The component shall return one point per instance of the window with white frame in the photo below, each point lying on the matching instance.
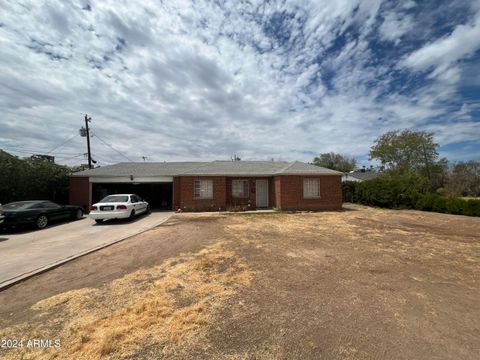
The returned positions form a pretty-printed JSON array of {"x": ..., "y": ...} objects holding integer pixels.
[
  {"x": 203, "y": 189},
  {"x": 240, "y": 188},
  {"x": 311, "y": 188}
]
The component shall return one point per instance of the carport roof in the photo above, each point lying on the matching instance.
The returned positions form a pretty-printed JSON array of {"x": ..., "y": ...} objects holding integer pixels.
[
  {"x": 140, "y": 169},
  {"x": 213, "y": 168}
]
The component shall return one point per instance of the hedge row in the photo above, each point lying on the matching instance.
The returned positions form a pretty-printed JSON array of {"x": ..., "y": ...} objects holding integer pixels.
[
  {"x": 407, "y": 191},
  {"x": 449, "y": 205},
  {"x": 390, "y": 191}
]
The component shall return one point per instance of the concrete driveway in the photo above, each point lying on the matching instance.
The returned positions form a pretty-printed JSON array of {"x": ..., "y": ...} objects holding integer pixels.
[{"x": 23, "y": 254}]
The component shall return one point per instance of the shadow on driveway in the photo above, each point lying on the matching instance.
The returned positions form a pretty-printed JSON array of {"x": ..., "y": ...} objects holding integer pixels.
[
  {"x": 29, "y": 228},
  {"x": 122, "y": 221}
]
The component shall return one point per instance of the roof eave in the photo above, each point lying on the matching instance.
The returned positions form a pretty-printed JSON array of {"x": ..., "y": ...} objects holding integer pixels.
[{"x": 310, "y": 174}]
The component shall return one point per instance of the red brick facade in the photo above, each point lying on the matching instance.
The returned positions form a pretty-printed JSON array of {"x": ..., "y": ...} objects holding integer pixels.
[
  {"x": 251, "y": 201},
  {"x": 289, "y": 193},
  {"x": 183, "y": 194},
  {"x": 79, "y": 192},
  {"x": 285, "y": 192}
]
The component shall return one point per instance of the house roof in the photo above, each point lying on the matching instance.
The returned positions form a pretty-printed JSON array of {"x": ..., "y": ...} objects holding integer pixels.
[
  {"x": 301, "y": 168},
  {"x": 213, "y": 168},
  {"x": 365, "y": 175},
  {"x": 140, "y": 169}
]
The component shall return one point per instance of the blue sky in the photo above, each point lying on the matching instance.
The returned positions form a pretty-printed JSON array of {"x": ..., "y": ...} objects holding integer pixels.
[{"x": 195, "y": 80}]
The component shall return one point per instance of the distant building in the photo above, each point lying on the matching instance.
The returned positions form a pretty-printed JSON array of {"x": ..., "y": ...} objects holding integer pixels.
[
  {"x": 42, "y": 157},
  {"x": 359, "y": 175}
]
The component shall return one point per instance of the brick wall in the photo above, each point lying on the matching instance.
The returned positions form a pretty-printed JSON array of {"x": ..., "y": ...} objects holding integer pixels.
[
  {"x": 289, "y": 193},
  {"x": 79, "y": 192},
  {"x": 277, "y": 191},
  {"x": 247, "y": 203},
  {"x": 176, "y": 193},
  {"x": 183, "y": 189},
  {"x": 252, "y": 197},
  {"x": 285, "y": 192},
  {"x": 222, "y": 194}
]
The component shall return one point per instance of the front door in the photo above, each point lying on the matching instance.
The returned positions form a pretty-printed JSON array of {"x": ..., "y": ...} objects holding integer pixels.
[{"x": 261, "y": 189}]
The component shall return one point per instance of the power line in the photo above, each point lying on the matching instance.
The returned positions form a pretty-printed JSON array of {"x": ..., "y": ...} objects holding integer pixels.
[
  {"x": 111, "y": 147},
  {"x": 31, "y": 152},
  {"x": 70, "y": 138},
  {"x": 24, "y": 150},
  {"x": 101, "y": 159},
  {"x": 61, "y": 158},
  {"x": 68, "y": 158}
]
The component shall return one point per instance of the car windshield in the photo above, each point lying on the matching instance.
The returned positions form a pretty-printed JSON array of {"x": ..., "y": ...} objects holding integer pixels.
[
  {"x": 115, "y": 198},
  {"x": 20, "y": 205}
]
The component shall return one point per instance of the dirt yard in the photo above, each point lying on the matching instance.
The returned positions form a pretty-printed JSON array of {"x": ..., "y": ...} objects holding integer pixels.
[{"x": 358, "y": 284}]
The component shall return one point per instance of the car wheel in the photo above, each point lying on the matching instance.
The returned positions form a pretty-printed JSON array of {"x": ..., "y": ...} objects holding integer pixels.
[
  {"x": 99, "y": 221},
  {"x": 132, "y": 215},
  {"x": 78, "y": 214},
  {"x": 148, "y": 210},
  {"x": 42, "y": 222}
]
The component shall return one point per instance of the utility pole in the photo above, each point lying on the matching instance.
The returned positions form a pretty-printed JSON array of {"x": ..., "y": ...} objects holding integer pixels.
[
  {"x": 85, "y": 132},
  {"x": 87, "y": 120}
]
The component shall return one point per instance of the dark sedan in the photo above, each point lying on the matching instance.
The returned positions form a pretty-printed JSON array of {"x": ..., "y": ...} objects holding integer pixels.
[{"x": 39, "y": 213}]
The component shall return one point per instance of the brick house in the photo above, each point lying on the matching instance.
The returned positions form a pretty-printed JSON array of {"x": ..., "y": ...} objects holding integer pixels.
[{"x": 214, "y": 186}]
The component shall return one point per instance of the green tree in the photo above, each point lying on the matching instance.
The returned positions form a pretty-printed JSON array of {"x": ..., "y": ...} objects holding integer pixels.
[
  {"x": 335, "y": 162},
  {"x": 406, "y": 151},
  {"x": 438, "y": 173},
  {"x": 27, "y": 179},
  {"x": 465, "y": 178}
]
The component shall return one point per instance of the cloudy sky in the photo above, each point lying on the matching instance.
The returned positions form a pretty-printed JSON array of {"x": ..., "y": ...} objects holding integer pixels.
[{"x": 203, "y": 80}]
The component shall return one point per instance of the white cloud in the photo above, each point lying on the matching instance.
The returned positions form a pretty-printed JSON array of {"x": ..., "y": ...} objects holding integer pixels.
[
  {"x": 395, "y": 25},
  {"x": 200, "y": 80},
  {"x": 442, "y": 53},
  {"x": 409, "y": 4}
]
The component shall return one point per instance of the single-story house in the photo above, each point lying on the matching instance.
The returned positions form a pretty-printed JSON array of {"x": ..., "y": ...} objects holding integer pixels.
[
  {"x": 214, "y": 186},
  {"x": 359, "y": 175}
]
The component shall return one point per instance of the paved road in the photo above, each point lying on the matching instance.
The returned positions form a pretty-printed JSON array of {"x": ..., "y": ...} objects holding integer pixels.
[{"x": 25, "y": 253}]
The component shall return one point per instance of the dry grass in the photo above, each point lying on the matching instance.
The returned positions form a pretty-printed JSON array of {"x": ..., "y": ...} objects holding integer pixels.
[
  {"x": 358, "y": 284},
  {"x": 164, "y": 305},
  {"x": 367, "y": 229}
]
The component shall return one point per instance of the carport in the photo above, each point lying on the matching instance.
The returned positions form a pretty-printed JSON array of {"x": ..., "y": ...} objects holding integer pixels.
[
  {"x": 151, "y": 181},
  {"x": 158, "y": 195},
  {"x": 158, "y": 191}
]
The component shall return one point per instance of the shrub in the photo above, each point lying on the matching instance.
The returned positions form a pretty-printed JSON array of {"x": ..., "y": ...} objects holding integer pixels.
[
  {"x": 450, "y": 205},
  {"x": 349, "y": 190},
  {"x": 392, "y": 191},
  {"x": 425, "y": 202},
  {"x": 407, "y": 191},
  {"x": 455, "y": 206},
  {"x": 472, "y": 207},
  {"x": 439, "y": 204}
]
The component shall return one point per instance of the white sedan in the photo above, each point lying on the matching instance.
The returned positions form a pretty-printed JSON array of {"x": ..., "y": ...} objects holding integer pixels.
[{"x": 120, "y": 206}]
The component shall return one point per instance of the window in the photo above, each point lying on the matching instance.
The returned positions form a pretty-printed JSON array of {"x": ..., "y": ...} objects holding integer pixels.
[
  {"x": 20, "y": 205},
  {"x": 50, "y": 205},
  {"x": 311, "y": 188},
  {"x": 203, "y": 189},
  {"x": 114, "y": 198},
  {"x": 240, "y": 188}
]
